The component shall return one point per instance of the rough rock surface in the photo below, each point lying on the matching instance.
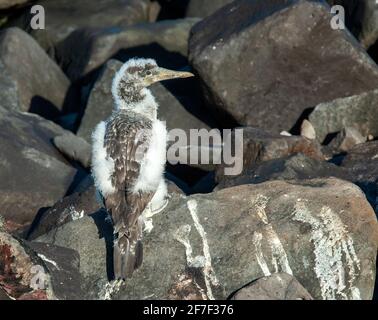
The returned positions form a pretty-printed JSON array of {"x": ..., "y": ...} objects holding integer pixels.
[
  {"x": 259, "y": 145},
  {"x": 346, "y": 139},
  {"x": 66, "y": 16},
  {"x": 358, "y": 111},
  {"x": 5, "y": 4},
  {"x": 91, "y": 237},
  {"x": 74, "y": 148},
  {"x": 76, "y": 206},
  {"x": 200, "y": 8},
  {"x": 37, "y": 271},
  {"x": 321, "y": 231},
  {"x": 361, "y": 19},
  {"x": 100, "y": 105},
  {"x": 278, "y": 286},
  {"x": 85, "y": 50},
  {"x": 33, "y": 174},
  {"x": 294, "y": 167},
  {"x": 362, "y": 172},
  {"x": 62, "y": 264},
  {"x": 20, "y": 270},
  {"x": 265, "y": 63},
  {"x": 29, "y": 79},
  {"x": 362, "y": 163},
  {"x": 70, "y": 208}
]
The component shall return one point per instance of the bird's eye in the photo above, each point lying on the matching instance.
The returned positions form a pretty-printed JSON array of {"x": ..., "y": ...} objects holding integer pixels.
[{"x": 148, "y": 73}]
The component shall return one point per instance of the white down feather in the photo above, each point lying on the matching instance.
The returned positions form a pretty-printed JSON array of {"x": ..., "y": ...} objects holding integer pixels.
[
  {"x": 153, "y": 163},
  {"x": 102, "y": 164}
]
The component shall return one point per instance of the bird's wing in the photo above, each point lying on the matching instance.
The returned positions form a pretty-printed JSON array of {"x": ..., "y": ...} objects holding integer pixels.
[{"x": 126, "y": 143}]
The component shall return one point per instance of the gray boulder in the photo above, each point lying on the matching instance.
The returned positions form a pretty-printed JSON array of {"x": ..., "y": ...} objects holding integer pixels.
[
  {"x": 265, "y": 63},
  {"x": 278, "y": 286},
  {"x": 74, "y": 148},
  {"x": 358, "y": 111},
  {"x": 33, "y": 174},
  {"x": 38, "y": 86},
  {"x": 322, "y": 231},
  {"x": 65, "y": 16},
  {"x": 200, "y": 8},
  {"x": 87, "y": 49},
  {"x": 100, "y": 105}
]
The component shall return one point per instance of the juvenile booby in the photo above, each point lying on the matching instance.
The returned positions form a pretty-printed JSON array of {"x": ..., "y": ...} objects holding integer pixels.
[{"x": 128, "y": 158}]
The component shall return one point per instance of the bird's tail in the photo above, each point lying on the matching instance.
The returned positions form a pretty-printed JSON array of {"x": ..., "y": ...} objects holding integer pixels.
[{"x": 128, "y": 252}]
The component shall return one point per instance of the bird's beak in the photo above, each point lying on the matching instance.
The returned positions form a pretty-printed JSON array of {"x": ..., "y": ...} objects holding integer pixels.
[{"x": 165, "y": 74}]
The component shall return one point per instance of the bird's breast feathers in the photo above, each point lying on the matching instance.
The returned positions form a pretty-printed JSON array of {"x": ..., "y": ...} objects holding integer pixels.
[
  {"x": 129, "y": 154},
  {"x": 154, "y": 159}
]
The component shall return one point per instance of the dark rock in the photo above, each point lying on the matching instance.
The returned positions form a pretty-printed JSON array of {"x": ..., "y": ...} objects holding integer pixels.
[
  {"x": 91, "y": 243},
  {"x": 70, "y": 208},
  {"x": 259, "y": 146},
  {"x": 346, "y": 140},
  {"x": 358, "y": 111},
  {"x": 294, "y": 167},
  {"x": 321, "y": 231},
  {"x": 362, "y": 163},
  {"x": 63, "y": 266},
  {"x": 33, "y": 174},
  {"x": 38, "y": 86},
  {"x": 6, "y": 4},
  {"x": 278, "y": 286},
  {"x": 3, "y": 295},
  {"x": 74, "y": 148},
  {"x": 65, "y": 16},
  {"x": 100, "y": 105},
  {"x": 299, "y": 167},
  {"x": 361, "y": 19},
  {"x": 267, "y": 63},
  {"x": 200, "y": 8},
  {"x": 86, "y": 50}
]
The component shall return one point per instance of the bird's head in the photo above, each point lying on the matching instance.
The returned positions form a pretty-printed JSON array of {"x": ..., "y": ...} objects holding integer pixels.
[{"x": 130, "y": 82}]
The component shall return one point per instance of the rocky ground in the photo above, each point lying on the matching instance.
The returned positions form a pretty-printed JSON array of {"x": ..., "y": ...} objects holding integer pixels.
[{"x": 299, "y": 221}]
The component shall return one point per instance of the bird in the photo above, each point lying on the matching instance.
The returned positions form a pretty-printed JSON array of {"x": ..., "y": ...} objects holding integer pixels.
[{"x": 129, "y": 157}]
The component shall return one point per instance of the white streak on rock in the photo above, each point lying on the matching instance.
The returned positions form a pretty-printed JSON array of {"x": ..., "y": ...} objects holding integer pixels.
[
  {"x": 333, "y": 251},
  {"x": 259, "y": 205},
  {"x": 44, "y": 258},
  {"x": 75, "y": 215},
  {"x": 110, "y": 288},
  {"x": 210, "y": 277},
  {"x": 257, "y": 237},
  {"x": 182, "y": 236},
  {"x": 279, "y": 257},
  {"x": 149, "y": 213}
]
